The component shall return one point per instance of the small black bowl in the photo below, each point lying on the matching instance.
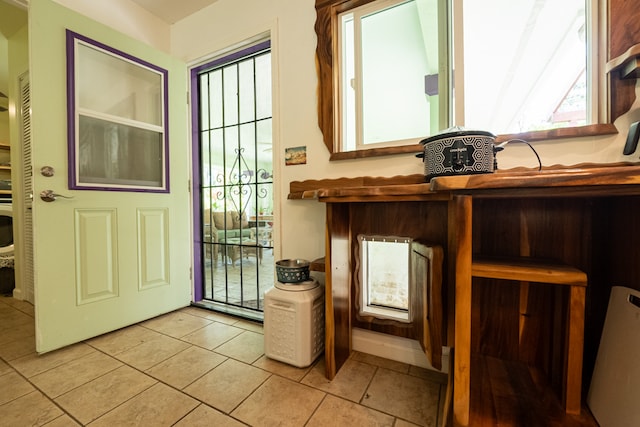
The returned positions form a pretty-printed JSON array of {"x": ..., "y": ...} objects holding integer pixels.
[{"x": 292, "y": 270}]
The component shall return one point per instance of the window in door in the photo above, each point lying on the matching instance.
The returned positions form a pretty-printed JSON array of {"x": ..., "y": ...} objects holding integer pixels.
[
  {"x": 117, "y": 138},
  {"x": 236, "y": 179}
]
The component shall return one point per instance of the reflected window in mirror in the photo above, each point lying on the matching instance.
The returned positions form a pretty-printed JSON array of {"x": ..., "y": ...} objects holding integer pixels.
[
  {"x": 529, "y": 65},
  {"x": 389, "y": 68},
  {"x": 525, "y": 67}
]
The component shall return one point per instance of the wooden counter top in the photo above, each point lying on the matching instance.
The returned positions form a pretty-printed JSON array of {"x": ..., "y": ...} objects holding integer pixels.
[{"x": 577, "y": 181}]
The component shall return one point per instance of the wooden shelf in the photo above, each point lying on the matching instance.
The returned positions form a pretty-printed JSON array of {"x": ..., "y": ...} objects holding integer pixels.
[
  {"x": 528, "y": 270},
  {"x": 512, "y": 393},
  {"x": 317, "y": 265}
]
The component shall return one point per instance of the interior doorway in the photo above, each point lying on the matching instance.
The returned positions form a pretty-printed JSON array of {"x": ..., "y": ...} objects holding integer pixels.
[{"x": 234, "y": 204}]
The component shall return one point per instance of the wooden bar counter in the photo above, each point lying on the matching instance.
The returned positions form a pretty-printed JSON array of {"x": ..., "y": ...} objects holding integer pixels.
[{"x": 502, "y": 336}]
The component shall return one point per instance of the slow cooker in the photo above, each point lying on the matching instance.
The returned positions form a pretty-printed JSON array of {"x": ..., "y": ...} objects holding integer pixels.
[{"x": 457, "y": 151}]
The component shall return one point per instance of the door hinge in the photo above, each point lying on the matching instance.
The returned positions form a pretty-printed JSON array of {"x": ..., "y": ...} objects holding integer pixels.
[
  {"x": 189, "y": 185},
  {"x": 190, "y": 273}
]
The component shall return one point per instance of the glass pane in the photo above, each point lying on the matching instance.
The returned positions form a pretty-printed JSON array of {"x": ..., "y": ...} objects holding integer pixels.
[
  {"x": 215, "y": 99},
  {"x": 216, "y": 168},
  {"x": 396, "y": 59},
  {"x": 264, "y": 203},
  {"x": 232, "y": 171},
  {"x": 116, "y": 132},
  {"x": 246, "y": 92},
  {"x": 347, "y": 79},
  {"x": 263, "y": 86},
  {"x": 230, "y": 94},
  {"x": 524, "y": 65},
  {"x": 388, "y": 274},
  {"x": 384, "y": 277},
  {"x": 204, "y": 103},
  {"x": 119, "y": 154},
  {"x": 135, "y": 92},
  {"x": 265, "y": 148},
  {"x": 248, "y": 152},
  {"x": 205, "y": 159},
  {"x": 248, "y": 142}
]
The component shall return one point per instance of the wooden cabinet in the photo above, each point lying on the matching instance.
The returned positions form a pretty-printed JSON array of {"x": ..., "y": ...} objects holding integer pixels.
[
  {"x": 348, "y": 218},
  {"x": 515, "y": 346}
]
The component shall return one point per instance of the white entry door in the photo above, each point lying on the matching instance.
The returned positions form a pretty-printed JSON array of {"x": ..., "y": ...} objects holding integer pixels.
[{"x": 102, "y": 259}]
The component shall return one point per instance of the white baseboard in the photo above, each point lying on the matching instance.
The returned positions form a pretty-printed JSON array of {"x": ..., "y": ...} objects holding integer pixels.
[{"x": 394, "y": 348}]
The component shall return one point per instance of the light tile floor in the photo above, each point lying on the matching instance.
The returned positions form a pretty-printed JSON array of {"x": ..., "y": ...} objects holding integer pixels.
[{"x": 194, "y": 367}]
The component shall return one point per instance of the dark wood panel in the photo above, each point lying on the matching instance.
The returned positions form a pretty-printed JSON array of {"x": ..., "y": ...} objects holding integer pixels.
[
  {"x": 494, "y": 321},
  {"x": 417, "y": 220},
  {"x": 555, "y": 229},
  {"x": 337, "y": 289},
  {"x": 624, "y": 26},
  {"x": 624, "y": 32},
  {"x": 427, "y": 302},
  {"x": 623, "y": 95},
  {"x": 507, "y": 393},
  {"x": 530, "y": 330},
  {"x": 622, "y": 226}
]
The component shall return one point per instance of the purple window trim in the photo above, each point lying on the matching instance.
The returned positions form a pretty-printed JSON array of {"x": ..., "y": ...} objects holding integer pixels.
[
  {"x": 71, "y": 38},
  {"x": 198, "y": 291}
]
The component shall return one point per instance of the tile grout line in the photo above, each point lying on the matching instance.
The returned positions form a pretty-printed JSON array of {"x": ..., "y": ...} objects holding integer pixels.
[{"x": 200, "y": 402}]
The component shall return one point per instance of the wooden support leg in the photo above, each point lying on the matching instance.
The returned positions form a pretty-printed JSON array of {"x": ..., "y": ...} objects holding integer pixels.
[
  {"x": 575, "y": 340},
  {"x": 460, "y": 209}
]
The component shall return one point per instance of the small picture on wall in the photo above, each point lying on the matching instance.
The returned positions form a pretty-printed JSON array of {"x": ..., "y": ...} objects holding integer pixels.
[{"x": 295, "y": 156}]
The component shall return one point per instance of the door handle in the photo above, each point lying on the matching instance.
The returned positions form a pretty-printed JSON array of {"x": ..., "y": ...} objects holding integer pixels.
[{"x": 50, "y": 196}]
